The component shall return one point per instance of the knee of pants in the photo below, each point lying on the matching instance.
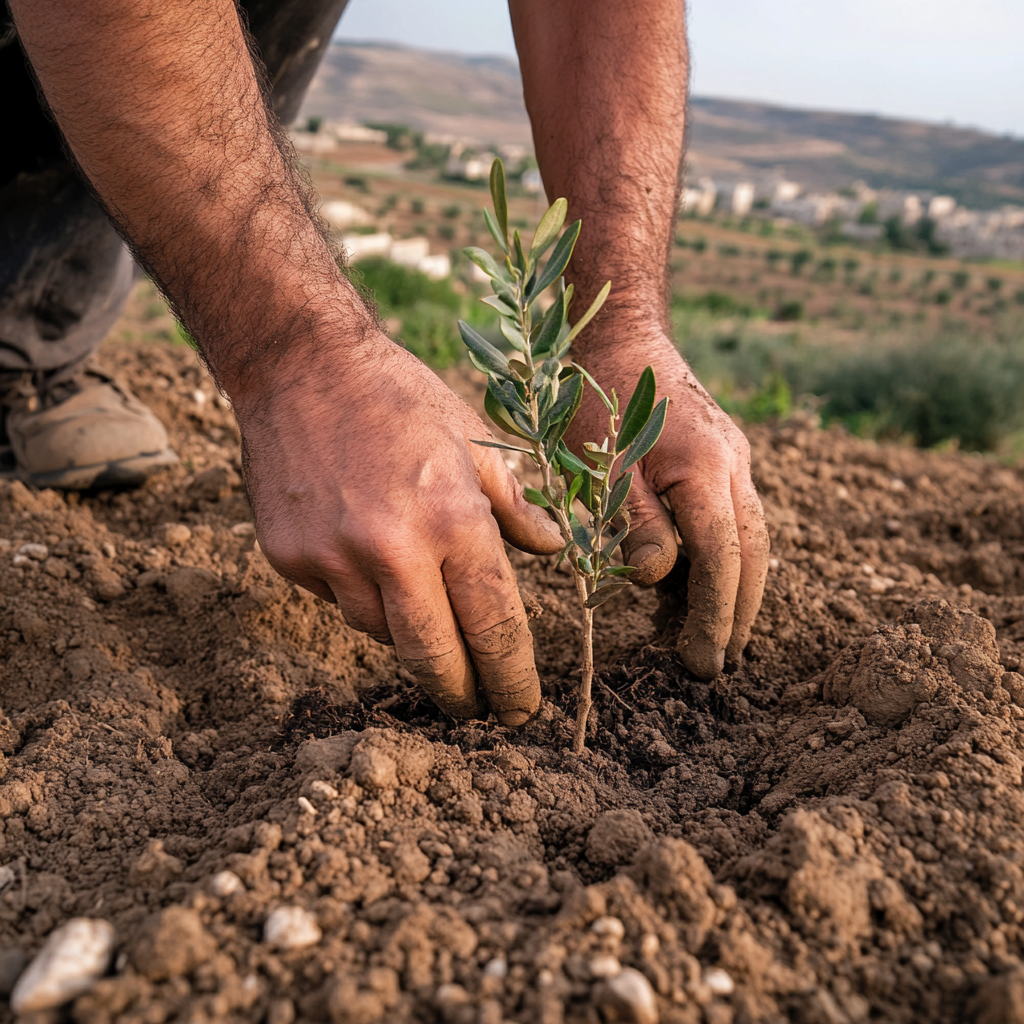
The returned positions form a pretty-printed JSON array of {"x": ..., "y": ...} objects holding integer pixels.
[{"x": 64, "y": 272}]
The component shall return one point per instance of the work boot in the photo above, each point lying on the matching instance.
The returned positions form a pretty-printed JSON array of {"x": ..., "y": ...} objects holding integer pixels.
[{"x": 80, "y": 430}]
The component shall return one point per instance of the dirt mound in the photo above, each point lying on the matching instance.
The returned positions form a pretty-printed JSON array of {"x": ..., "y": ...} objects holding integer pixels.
[{"x": 280, "y": 828}]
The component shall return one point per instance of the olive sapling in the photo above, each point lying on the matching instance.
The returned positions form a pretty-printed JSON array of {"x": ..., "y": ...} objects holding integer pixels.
[{"x": 534, "y": 397}]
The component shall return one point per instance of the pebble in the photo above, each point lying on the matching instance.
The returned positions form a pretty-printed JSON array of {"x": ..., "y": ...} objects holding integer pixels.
[
  {"x": 37, "y": 552},
  {"x": 108, "y": 549},
  {"x": 322, "y": 789},
  {"x": 72, "y": 959},
  {"x": 627, "y": 997},
  {"x": 497, "y": 968},
  {"x": 291, "y": 928},
  {"x": 243, "y": 530},
  {"x": 305, "y": 806},
  {"x": 605, "y": 966},
  {"x": 174, "y": 535},
  {"x": 450, "y": 994},
  {"x": 226, "y": 883},
  {"x": 7, "y": 877},
  {"x": 720, "y": 983},
  {"x": 609, "y": 926}
]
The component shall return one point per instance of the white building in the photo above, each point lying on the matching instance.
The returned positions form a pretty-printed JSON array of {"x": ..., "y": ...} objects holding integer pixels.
[
  {"x": 700, "y": 200},
  {"x": 349, "y": 132},
  {"x": 341, "y": 214},
  {"x": 743, "y": 198}
]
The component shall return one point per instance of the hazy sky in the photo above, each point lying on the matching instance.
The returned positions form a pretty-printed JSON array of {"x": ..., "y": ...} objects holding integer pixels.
[{"x": 941, "y": 60}]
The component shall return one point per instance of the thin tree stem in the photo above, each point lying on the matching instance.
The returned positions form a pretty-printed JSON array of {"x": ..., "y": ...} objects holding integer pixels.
[{"x": 587, "y": 669}]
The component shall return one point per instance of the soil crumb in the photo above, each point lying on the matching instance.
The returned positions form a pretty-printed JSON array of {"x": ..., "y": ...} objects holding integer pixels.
[{"x": 280, "y": 828}]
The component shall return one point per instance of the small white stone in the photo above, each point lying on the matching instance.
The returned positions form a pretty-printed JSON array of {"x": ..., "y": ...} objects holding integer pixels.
[
  {"x": 243, "y": 530},
  {"x": 545, "y": 978},
  {"x": 609, "y": 926},
  {"x": 199, "y": 397},
  {"x": 291, "y": 928},
  {"x": 305, "y": 806},
  {"x": 38, "y": 552},
  {"x": 497, "y": 968},
  {"x": 70, "y": 962},
  {"x": 896, "y": 484},
  {"x": 605, "y": 966},
  {"x": 650, "y": 946},
  {"x": 7, "y": 877},
  {"x": 719, "y": 981},
  {"x": 629, "y": 996},
  {"x": 226, "y": 883},
  {"x": 108, "y": 549},
  {"x": 450, "y": 994},
  {"x": 322, "y": 789},
  {"x": 19, "y": 561}
]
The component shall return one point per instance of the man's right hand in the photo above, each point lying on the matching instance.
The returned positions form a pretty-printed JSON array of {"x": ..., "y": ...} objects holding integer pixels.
[{"x": 368, "y": 491}]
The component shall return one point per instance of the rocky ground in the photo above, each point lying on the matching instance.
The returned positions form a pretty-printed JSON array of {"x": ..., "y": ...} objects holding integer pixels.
[{"x": 258, "y": 818}]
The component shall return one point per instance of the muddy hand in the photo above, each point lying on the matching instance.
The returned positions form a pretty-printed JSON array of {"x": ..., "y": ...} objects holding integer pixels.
[
  {"x": 701, "y": 467},
  {"x": 370, "y": 493}
]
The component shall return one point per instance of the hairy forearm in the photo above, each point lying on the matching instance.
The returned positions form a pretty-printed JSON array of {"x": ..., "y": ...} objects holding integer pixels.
[
  {"x": 605, "y": 83},
  {"x": 161, "y": 106}
]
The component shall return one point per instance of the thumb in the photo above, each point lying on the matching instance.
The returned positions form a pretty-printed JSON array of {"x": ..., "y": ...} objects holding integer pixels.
[
  {"x": 650, "y": 544},
  {"x": 523, "y": 525}
]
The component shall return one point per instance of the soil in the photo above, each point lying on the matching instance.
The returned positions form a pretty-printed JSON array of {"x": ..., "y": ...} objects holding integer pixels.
[{"x": 834, "y": 833}]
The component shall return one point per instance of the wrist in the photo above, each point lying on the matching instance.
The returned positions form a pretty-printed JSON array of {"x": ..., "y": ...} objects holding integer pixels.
[{"x": 286, "y": 341}]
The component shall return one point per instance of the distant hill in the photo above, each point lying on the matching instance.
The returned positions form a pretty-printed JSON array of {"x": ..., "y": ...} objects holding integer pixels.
[{"x": 480, "y": 99}]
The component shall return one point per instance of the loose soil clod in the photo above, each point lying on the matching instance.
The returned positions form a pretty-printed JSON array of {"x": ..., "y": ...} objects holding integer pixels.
[{"x": 834, "y": 833}]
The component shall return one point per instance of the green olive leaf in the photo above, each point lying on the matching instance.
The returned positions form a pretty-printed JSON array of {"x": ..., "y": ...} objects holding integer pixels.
[
  {"x": 608, "y": 404},
  {"x": 495, "y": 233},
  {"x": 618, "y": 495},
  {"x": 484, "y": 260},
  {"x": 638, "y": 412},
  {"x": 548, "y": 228},
  {"x": 499, "y": 200},
  {"x": 485, "y": 356},
  {"x": 560, "y": 257},
  {"x": 598, "y": 597},
  {"x": 534, "y": 497},
  {"x": 499, "y": 304},
  {"x": 595, "y": 307},
  {"x": 579, "y": 534},
  {"x": 512, "y": 335},
  {"x": 648, "y": 436}
]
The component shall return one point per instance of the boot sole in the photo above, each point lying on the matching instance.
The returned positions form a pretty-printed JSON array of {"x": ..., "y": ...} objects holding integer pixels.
[{"x": 121, "y": 473}]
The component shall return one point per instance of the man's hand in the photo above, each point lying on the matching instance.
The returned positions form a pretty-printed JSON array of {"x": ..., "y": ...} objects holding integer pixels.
[
  {"x": 701, "y": 467},
  {"x": 605, "y": 85},
  {"x": 375, "y": 496}
]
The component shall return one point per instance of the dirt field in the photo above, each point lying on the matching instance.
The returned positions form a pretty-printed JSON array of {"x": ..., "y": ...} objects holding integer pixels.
[{"x": 833, "y": 834}]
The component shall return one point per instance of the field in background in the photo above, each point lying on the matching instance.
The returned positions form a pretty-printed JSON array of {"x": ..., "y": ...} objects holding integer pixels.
[{"x": 895, "y": 344}]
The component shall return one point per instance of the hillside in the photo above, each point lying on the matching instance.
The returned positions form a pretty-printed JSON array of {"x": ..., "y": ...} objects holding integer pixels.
[{"x": 480, "y": 98}]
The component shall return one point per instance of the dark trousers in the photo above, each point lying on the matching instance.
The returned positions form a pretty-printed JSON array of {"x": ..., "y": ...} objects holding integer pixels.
[{"x": 64, "y": 271}]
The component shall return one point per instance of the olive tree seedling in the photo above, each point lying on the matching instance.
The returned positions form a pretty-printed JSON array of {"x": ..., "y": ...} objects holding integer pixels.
[{"x": 534, "y": 396}]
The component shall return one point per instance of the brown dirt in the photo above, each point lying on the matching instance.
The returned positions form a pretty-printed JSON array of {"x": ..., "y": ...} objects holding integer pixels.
[{"x": 838, "y": 826}]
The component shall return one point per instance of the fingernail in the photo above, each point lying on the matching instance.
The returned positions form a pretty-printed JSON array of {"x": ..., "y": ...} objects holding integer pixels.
[
  {"x": 701, "y": 657},
  {"x": 642, "y": 553},
  {"x": 652, "y": 563}
]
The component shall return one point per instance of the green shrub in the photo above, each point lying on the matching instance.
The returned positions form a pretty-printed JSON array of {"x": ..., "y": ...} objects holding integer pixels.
[
  {"x": 791, "y": 309},
  {"x": 716, "y": 303},
  {"x": 427, "y": 332},
  {"x": 949, "y": 388},
  {"x": 799, "y": 259},
  {"x": 396, "y": 288}
]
